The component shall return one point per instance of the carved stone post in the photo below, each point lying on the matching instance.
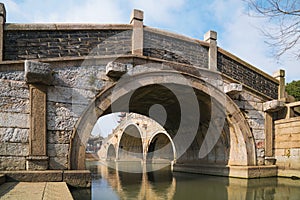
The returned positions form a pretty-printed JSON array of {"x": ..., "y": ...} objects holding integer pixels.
[
  {"x": 211, "y": 38},
  {"x": 38, "y": 76},
  {"x": 136, "y": 21},
  {"x": 280, "y": 76},
  {"x": 269, "y": 108}
]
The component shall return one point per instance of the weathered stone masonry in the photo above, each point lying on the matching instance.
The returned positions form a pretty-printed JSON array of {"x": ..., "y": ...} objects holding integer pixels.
[
  {"x": 169, "y": 48},
  {"x": 250, "y": 77},
  {"x": 14, "y": 123},
  {"x": 73, "y": 88},
  {"x": 76, "y": 80},
  {"x": 34, "y": 44}
]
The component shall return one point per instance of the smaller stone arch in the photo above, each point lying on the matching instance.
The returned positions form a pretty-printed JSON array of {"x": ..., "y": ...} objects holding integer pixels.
[
  {"x": 161, "y": 147},
  {"x": 111, "y": 153},
  {"x": 130, "y": 144}
]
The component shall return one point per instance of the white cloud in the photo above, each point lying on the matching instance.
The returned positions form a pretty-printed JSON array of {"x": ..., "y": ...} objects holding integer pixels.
[{"x": 242, "y": 36}]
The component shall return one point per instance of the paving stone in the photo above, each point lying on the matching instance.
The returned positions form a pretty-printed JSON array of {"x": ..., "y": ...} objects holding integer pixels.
[
  {"x": 35, "y": 191},
  {"x": 34, "y": 176}
]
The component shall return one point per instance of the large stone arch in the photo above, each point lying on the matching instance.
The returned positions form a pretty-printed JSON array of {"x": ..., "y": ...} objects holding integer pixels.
[
  {"x": 130, "y": 143},
  {"x": 101, "y": 105},
  {"x": 167, "y": 144}
]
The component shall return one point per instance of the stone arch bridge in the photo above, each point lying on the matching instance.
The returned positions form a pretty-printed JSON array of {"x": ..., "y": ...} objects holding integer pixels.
[
  {"x": 56, "y": 80},
  {"x": 138, "y": 138}
]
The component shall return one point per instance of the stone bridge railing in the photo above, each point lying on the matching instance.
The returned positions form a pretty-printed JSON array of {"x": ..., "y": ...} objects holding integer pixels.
[
  {"x": 293, "y": 110},
  {"x": 46, "y": 41}
]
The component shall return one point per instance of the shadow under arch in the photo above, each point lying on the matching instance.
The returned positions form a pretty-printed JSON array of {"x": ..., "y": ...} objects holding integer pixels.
[
  {"x": 161, "y": 146},
  {"x": 101, "y": 105},
  {"x": 130, "y": 143},
  {"x": 111, "y": 153}
]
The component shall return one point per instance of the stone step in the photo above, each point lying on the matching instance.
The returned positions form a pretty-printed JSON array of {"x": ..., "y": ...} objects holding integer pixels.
[
  {"x": 74, "y": 178},
  {"x": 35, "y": 190}
]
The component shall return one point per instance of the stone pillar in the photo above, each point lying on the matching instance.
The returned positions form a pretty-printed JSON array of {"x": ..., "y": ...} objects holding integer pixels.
[
  {"x": 136, "y": 20},
  {"x": 211, "y": 38},
  {"x": 280, "y": 76},
  {"x": 269, "y": 108},
  {"x": 268, "y": 134},
  {"x": 38, "y": 76},
  {"x": 37, "y": 159},
  {"x": 2, "y": 23}
]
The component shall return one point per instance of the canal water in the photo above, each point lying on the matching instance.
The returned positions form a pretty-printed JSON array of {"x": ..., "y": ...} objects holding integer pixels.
[{"x": 111, "y": 183}]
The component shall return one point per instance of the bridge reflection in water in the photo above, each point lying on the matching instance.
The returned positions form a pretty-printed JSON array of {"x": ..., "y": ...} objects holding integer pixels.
[{"x": 114, "y": 183}]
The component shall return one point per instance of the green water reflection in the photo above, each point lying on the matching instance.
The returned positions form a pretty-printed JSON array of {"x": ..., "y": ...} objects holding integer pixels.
[{"x": 109, "y": 183}]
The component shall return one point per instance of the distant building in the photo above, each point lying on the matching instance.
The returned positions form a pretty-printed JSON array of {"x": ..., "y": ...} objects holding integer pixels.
[{"x": 94, "y": 144}]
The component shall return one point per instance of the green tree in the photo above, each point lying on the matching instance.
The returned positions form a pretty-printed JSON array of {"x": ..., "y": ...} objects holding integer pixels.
[{"x": 293, "y": 88}]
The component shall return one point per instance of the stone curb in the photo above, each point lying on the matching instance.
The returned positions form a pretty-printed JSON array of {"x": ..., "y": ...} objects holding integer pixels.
[{"x": 74, "y": 178}]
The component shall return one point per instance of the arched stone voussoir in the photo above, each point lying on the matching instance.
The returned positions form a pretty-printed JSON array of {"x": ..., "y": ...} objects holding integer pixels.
[
  {"x": 242, "y": 129},
  {"x": 170, "y": 139},
  {"x": 110, "y": 95}
]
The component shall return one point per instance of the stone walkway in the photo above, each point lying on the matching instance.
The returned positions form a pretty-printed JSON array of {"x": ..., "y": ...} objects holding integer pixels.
[{"x": 35, "y": 191}]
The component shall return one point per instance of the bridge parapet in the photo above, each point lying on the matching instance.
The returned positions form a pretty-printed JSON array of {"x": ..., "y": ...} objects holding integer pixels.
[
  {"x": 293, "y": 110},
  {"x": 44, "y": 41}
]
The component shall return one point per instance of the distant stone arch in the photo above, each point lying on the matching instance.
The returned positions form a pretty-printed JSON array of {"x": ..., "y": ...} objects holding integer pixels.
[
  {"x": 111, "y": 153},
  {"x": 161, "y": 147},
  {"x": 130, "y": 145}
]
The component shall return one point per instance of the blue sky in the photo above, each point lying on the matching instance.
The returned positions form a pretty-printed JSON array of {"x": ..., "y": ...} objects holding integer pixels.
[{"x": 238, "y": 33}]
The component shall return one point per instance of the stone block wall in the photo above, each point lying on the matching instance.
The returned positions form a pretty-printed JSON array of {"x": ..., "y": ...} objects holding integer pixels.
[
  {"x": 165, "y": 47},
  {"x": 14, "y": 120},
  {"x": 247, "y": 76},
  {"x": 67, "y": 98},
  {"x": 33, "y": 44},
  {"x": 252, "y": 108},
  {"x": 287, "y": 144},
  {"x": 72, "y": 90}
]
